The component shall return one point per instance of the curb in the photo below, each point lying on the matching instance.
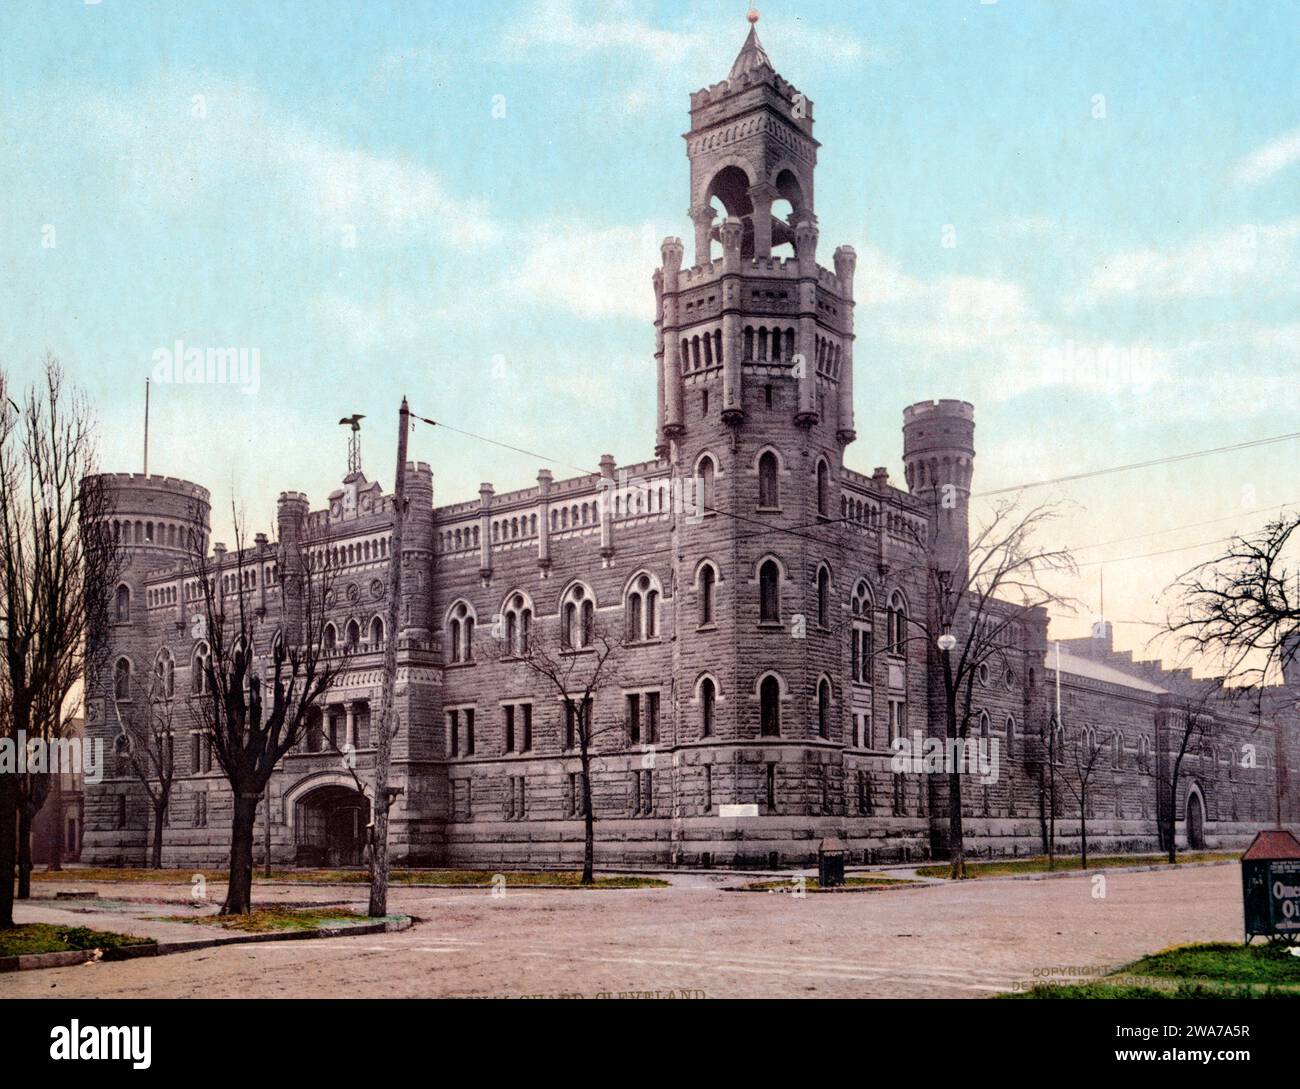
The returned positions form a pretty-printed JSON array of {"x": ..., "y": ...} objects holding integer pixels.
[
  {"x": 1161, "y": 867},
  {"x": 32, "y": 961}
]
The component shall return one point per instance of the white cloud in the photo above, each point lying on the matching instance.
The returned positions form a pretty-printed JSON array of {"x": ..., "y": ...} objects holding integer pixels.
[
  {"x": 1272, "y": 158},
  {"x": 594, "y": 273},
  {"x": 591, "y": 26},
  {"x": 184, "y": 140},
  {"x": 1262, "y": 259}
]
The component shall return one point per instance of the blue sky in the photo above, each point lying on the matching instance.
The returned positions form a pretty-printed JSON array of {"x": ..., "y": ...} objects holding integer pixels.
[{"x": 463, "y": 203}]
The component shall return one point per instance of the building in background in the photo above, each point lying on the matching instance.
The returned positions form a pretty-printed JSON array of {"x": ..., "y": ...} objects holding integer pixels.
[{"x": 758, "y": 585}]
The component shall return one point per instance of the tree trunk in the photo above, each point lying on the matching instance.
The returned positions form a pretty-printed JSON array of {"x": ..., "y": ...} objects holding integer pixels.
[
  {"x": 589, "y": 822},
  {"x": 956, "y": 833},
  {"x": 159, "y": 815},
  {"x": 24, "y": 852},
  {"x": 1171, "y": 819},
  {"x": 1083, "y": 829},
  {"x": 239, "y": 893},
  {"x": 1042, "y": 809},
  {"x": 8, "y": 847},
  {"x": 56, "y": 840}
]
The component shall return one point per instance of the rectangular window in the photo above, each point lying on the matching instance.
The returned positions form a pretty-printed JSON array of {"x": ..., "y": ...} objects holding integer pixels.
[
  {"x": 527, "y": 710},
  {"x": 196, "y": 752},
  {"x": 206, "y": 747},
  {"x": 897, "y": 719},
  {"x": 652, "y": 717},
  {"x": 119, "y": 820},
  {"x": 900, "y": 808},
  {"x": 521, "y": 807},
  {"x": 510, "y": 727},
  {"x": 453, "y": 733},
  {"x": 636, "y": 793},
  {"x": 570, "y": 726},
  {"x": 469, "y": 731},
  {"x": 571, "y": 798},
  {"x": 634, "y": 718},
  {"x": 771, "y": 788},
  {"x": 708, "y": 788}
]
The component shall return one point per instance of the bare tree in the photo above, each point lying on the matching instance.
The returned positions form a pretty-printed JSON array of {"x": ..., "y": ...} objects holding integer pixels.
[
  {"x": 573, "y": 666},
  {"x": 1082, "y": 756},
  {"x": 147, "y": 741},
  {"x": 57, "y": 559},
  {"x": 972, "y": 623},
  {"x": 1189, "y": 727},
  {"x": 1240, "y": 611},
  {"x": 255, "y": 713}
]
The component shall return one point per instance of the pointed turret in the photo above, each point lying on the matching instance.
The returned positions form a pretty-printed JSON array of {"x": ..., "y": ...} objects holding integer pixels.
[{"x": 752, "y": 55}]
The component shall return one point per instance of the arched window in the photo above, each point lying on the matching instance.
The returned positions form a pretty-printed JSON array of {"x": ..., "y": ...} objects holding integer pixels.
[
  {"x": 199, "y": 665},
  {"x": 823, "y": 489},
  {"x": 768, "y": 491},
  {"x": 330, "y": 639},
  {"x": 641, "y": 608},
  {"x": 377, "y": 632},
  {"x": 1117, "y": 749},
  {"x": 769, "y": 702},
  {"x": 984, "y": 725},
  {"x": 823, "y": 596},
  {"x": 1011, "y": 737},
  {"x": 897, "y": 625},
  {"x": 708, "y": 582},
  {"x": 708, "y": 700},
  {"x": 705, "y": 471},
  {"x": 824, "y": 708},
  {"x": 769, "y": 591},
  {"x": 353, "y": 635},
  {"x": 577, "y": 618},
  {"x": 861, "y": 649},
  {"x": 518, "y": 624},
  {"x": 460, "y": 632},
  {"x": 122, "y": 679},
  {"x": 122, "y": 604},
  {"x": 164, "y": 675}
]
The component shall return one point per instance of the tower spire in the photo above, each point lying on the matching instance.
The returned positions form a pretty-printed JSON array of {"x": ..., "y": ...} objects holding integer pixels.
[{"x": 752, "y": 55}]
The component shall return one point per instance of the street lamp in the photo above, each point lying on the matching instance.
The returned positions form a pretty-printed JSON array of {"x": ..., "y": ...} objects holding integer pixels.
[{"x": 946, "y": 642}]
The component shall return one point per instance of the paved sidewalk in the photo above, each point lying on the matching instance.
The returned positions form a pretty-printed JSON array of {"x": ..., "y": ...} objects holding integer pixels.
[{"x": 970, "y": 939}]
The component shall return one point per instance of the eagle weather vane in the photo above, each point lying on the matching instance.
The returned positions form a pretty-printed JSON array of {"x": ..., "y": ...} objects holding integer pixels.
[{"x": 354, "y": 441}]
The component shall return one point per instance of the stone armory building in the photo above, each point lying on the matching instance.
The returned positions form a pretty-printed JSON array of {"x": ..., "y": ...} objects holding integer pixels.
[{"x": 759, "y": 588}]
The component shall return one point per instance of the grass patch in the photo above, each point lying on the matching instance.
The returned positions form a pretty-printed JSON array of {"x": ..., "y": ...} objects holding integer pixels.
[
  {"x": 264, "y": 920},
  {"x": 46, "y": 938},
  {"x": 1005, "y": 867},
  {"x": 811, "y": 884},
  {"x": 1224, "y": 961},
  {"x": 1181, "y": 990},
  {"x": 1212, "y": 970},
  {"x": 468, "y": 878}
]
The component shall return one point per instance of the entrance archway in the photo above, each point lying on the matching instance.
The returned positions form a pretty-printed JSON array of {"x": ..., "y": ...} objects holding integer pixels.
[
  {"x": 330, "y": 827},
  {"x": 1195, "y": 821}
]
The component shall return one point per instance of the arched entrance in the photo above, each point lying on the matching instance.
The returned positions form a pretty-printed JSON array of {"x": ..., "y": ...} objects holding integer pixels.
[
  {"x": 1195, "y": 821},
  {"x": 330, "y": 827}
]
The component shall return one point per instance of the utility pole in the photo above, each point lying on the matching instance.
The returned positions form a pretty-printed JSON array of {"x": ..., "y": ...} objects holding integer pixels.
[
  {"x": 384, "y": 742},
  {"x": 1051, "y": 767}
]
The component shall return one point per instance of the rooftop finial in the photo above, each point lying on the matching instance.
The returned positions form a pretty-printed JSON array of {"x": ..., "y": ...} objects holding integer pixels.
[{"x": 753, "y": 14}]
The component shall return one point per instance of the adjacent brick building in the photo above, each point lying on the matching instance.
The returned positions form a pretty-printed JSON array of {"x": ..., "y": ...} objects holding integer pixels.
[{"x": 759, "y": 585}]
